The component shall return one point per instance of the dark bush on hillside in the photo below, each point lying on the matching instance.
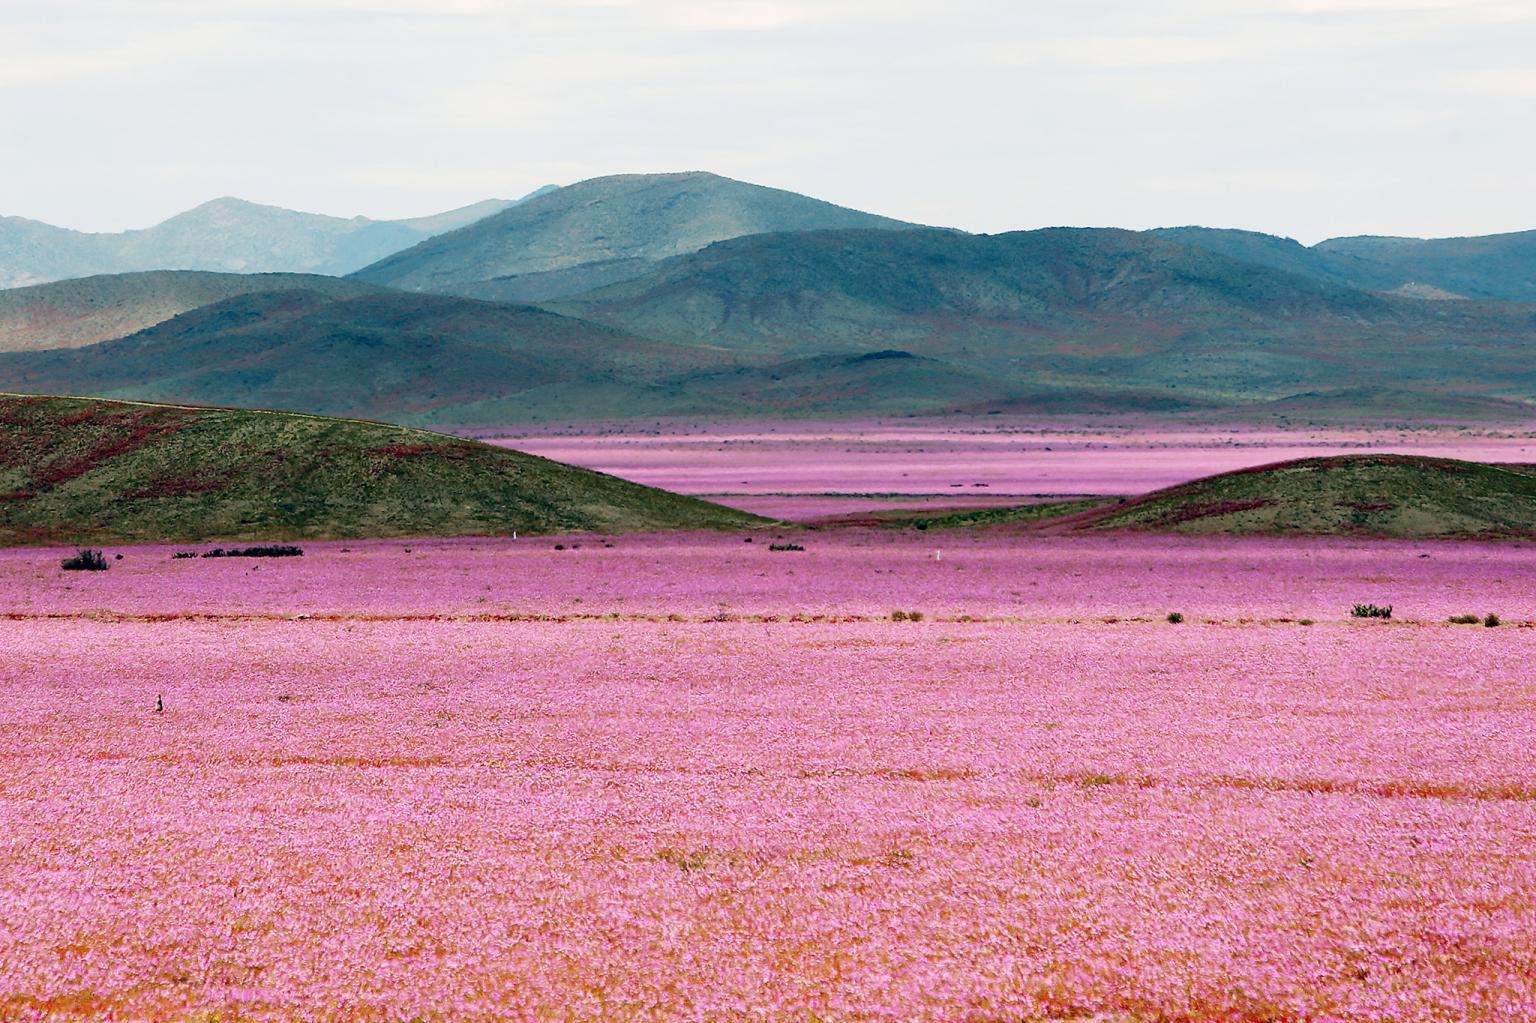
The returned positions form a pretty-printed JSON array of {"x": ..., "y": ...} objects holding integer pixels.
[
  {"x": 1464, "y": 619},
  {"x": 785, "y": 547},
  {"x": 1492, "y": 621},
  {"x": 183, "y": 554},
  {"x": 270, "y": 551},
  {"x": 85, "y": 561},
  {"x": 1174, "y": 618},
  {"x": 1371, "y": 611}
]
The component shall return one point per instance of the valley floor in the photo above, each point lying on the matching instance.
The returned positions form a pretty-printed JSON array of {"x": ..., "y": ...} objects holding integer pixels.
[
  {"x": 971, "y": 462},
  {"x": 688, "y": 777}
]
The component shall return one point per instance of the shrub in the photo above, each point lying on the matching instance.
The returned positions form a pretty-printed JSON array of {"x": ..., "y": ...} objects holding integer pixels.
[
  {"x": 1306, "y": 621},
  {"x": 898, "y": 616},
  {"x": 785, "y": 547},
  {"x": 85, "y": 560},
  {"x": 1174, "y": 618},
  {"x": 1371, "y": 611},
  {"x": 269, "y": 551},
  {"x": 914, "y": 616},
  {"x": 1492, "y": 621},
  {"x": 183, "y": 554},
  {"x": 1463, "y": 619}
]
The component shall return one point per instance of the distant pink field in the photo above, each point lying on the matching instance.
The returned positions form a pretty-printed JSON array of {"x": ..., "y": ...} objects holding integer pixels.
[
  {"x": 423, "y": 803},
  {"x": 1009, "y": 457},
  {"x": 841, "y": 572}
]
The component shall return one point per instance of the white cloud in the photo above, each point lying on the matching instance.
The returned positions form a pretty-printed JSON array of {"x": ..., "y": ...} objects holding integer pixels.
[{"x": 1516, "y": 82}]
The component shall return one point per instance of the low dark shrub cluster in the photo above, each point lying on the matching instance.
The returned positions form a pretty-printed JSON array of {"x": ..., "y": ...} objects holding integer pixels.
[
  {"x": 1174, "y": 618},
  {"x": 1464, "y": 619},
  {"x": 85, "y": 561},
  {"x": 906, "y": 616},
  {"x": 1371, "y": 611},
  {"x": 269, "y": 551},
  {"x": 785, "y": 547}
]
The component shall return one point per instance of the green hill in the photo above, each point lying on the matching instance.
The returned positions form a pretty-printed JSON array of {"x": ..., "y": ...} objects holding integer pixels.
[
  {"x": 390, "y": 355},
  {"x": 1498, "y": 267},
  {"x": 1072, "y": 310},
  {"x": 79, "y": 470},
  {"x": 1352, "y": 495},
  {"x": 808, "y": 290},
  {"x": 74, "y": 313},
  {"x": 625, "y": 223},
  {"x": 831, "y": 323}
]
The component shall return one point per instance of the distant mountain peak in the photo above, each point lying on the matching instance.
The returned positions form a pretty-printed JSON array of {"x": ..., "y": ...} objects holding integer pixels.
[
  {"x": 226, "y": 233},
  {"x": 629, "y": 220}
]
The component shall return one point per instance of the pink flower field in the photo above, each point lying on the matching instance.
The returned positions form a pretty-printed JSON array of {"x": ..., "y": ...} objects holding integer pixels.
[
  {"x": 687, "y": 778},
  {"x": 994, "y": 455}
]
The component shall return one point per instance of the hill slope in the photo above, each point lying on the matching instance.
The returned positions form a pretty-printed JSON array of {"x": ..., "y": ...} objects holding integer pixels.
[
  {"x": 73, "y": 313},
  {"x": 782, "y": 324},
  {"x": 860, "y": 285},
  {"x": 1366, "y": 495},
  {"x": 1069, "y": 309},
  {"x": 1499, "y": 267},
  {"x": 90, "y": 471},
  {"x": 625, "y": 222},
  {"x": 388, "y": 355},
  {"x": 223, "y": 235}
]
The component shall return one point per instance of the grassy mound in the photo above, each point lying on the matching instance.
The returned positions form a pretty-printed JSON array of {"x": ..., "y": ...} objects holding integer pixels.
[
  {"x": 82, "y": 470},
  {"x": 1368, "y": 495}
]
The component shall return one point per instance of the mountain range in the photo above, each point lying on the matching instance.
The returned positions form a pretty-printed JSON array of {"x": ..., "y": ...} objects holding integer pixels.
[
  {"x": 83, "y": 311},
  {"x": 694, "y": 294},
  {"x": 1499, "y": 267},
  {"x": 225, "y": 234}
]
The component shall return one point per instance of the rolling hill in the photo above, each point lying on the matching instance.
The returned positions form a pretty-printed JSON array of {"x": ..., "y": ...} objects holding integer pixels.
[
  {"x": 394, "y": 355},
  {"x": 602, "y": 230},
  {"x": 1071, "y": 310},
  {"x": 1365, "y": 495},
  {"x": 810, "y": 289},
  {"x": 86, "y": 471},
  {"x": 1499, "y": 267},
  {"x": 83, "y": 311},
  {"x": 227, "y": 234},
  {"x": 835, "y": 323},
  {"x": 1353, "y": 495}
]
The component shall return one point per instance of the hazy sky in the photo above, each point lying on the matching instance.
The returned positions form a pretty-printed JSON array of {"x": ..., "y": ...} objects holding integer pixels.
[{"x": 1301, "y": 117}]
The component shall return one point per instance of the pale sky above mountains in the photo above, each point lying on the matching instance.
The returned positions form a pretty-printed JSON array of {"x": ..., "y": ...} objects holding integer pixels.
[{"x": 1301, "y": 117}]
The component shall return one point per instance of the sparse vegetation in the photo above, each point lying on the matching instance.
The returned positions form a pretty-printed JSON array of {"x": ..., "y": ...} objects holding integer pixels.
[
  {"x": 1174, "y": 618},
  {"x": 1464, "y": 619},
  {"x": 1372, "y": 611},
  {"x": 1492, "y": 621},
  {"x": 268, "y": 551},
  {"x": 785, "y": 547}
]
